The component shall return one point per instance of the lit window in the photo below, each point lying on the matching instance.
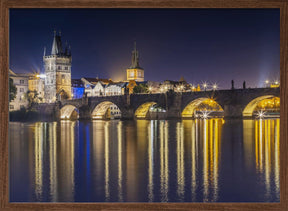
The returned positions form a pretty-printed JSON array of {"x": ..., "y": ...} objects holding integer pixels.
[
  {"x": 131, "y": 74},
  {"x": 21, "y": 81},
  {"x": 21, "y": 89},
  {"x": 11, "y": 106}
]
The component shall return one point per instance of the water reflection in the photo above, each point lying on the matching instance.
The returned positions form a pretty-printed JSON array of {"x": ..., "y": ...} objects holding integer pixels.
[
  {"x": 67, "y": 156},
  {"x": 164, "y": 162},
  {"x": 267, "y": 153},
  {"x": 149, "y": 161}
]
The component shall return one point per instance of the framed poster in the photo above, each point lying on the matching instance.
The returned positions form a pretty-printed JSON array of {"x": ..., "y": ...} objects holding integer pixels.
[{"x": 171, "y": 105}]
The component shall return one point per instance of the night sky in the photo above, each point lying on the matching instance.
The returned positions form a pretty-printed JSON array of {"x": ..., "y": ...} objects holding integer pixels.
[{"x": 202, "y": 45}]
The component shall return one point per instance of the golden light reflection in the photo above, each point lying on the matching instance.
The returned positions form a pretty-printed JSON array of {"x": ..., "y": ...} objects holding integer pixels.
[
  {"x": 67, "y": 157},
  {"x": 211, "y": 153},
  {"x": 106, "y": 137},
  {"x": 98, "y": 149},
  {"x": 150, "y": 150},
  {"x": 53, "y": 161},
  {"x": 194, "y": 155},
  {"x": 267, "y": 139},
  {"x": 164, "y": 165},
  {"x": 180, "y": 161},
  {"x": 120, "y": 172},
  {"x": 39, "y": 128}
]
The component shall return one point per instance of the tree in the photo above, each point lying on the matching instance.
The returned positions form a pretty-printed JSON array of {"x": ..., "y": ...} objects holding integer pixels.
[
  {"x": 12, "y": 90},
  {"x": 32, "y": 97},
  {"x": 141, "y": 88}
]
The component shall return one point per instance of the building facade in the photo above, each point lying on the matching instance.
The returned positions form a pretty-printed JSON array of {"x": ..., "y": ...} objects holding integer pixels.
[
  {"x": 36, "y": 83},
  {"x": 77, "y": 88},
  {"x": 21, "y": 83},
  {"x": 57, "y": 71},
  {"x": 135, "y": 72}
]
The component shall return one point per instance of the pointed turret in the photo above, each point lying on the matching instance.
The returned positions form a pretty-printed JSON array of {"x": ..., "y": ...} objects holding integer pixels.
[
  {"x": 135, "y": 57},
  {"x": 57, "y": 45}
]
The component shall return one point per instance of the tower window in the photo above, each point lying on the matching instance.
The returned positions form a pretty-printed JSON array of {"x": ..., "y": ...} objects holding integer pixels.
[
  {"x": 21, "y": 81},
  {"x": 66, "y": 68},
  {"x": 59, "y": 67}
]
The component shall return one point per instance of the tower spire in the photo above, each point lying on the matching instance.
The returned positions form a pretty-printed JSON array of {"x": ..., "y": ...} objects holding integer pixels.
[
  {"x": 135, "y": 57},
  {"x": 57, "y": 45}
]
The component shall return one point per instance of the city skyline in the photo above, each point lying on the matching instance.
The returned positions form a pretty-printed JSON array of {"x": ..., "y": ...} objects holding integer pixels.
[{"x": 239, "y": 44}]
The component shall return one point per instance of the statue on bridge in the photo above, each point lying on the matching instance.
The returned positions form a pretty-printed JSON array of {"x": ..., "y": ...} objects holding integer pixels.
[
  {"x": 244, "y": 85},
  {"x": 232, "y": 83}
]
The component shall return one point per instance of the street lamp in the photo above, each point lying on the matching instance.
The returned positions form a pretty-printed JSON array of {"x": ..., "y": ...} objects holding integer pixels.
[
  {"x": 150, "y": 89},
  {"x": 205, "y": 86},
  {"x": 215, "y": 87},
  {"x": 266, "y": 82}
]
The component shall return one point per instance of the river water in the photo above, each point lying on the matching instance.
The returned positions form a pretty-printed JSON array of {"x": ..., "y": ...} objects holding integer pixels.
[{"x": 212, "y": 160}]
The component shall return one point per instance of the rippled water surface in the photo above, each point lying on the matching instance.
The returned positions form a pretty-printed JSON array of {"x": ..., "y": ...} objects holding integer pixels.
[{"x": 145, "y": 161}]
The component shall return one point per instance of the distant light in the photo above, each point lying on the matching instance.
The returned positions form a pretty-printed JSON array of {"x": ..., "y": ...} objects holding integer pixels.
[
  {"x": 215, "y": 86},
  {"x": 41, "y": 76},
  {"x": 150, "y": 88},
  {"x": 276, "y": 82},
  {"x": 266, "y": 81}
]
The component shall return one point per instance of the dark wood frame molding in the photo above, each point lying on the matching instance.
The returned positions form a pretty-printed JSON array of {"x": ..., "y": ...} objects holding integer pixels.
[{"x": 5, "y": 5}]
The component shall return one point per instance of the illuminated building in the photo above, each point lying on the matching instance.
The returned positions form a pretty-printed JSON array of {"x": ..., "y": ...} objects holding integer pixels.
[
  {"x": 57, "y": 71},
  {"x": 94, "y": 86},
  {"x": 176, "y": 86},
  {"x": 36, "y": 84},
  {"x": 135, "y": 72},
  {"x": 77, "y": 88},
  {"x": 20, "y": 80},
  {"x": 115, "y": 89}
]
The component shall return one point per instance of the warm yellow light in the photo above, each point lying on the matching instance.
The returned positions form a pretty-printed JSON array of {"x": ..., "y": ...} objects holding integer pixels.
[{"x": 266, "y": 81}]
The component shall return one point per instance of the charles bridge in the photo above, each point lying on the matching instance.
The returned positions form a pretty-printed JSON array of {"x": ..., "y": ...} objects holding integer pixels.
[{"x": 236, "y": 103}]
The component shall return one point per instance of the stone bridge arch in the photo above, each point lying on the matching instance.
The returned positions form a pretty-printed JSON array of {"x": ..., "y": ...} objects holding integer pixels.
[
  {"x": 69, "y": 112},
  {"x": 250, "y": 107},
  {"x": 190, "y": 108},
  {"x": 142, "y": 103},
  {"x": 100, "y": 110}
]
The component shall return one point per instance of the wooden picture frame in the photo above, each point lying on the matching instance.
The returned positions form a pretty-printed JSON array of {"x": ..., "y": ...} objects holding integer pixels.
[{"x": 5, "y": 5}]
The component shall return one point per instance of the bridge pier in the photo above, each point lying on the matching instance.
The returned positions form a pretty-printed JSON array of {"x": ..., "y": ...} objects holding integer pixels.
[
  {"x": 233, "y": 111},
  {"x": 84, "y": 112},
  {"x": 127, "y": 114}
]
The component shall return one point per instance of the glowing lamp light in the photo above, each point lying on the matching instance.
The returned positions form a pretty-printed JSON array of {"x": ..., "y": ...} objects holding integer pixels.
[
  {"x": 215, "y": 86},
  {"x": 261, "y": 114},
  {"x": 266, "y": 81},
  {"x": 276, "y": 82},
  {"x": 205, "y": 114},
  {"x": 40, "y": 76}
]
